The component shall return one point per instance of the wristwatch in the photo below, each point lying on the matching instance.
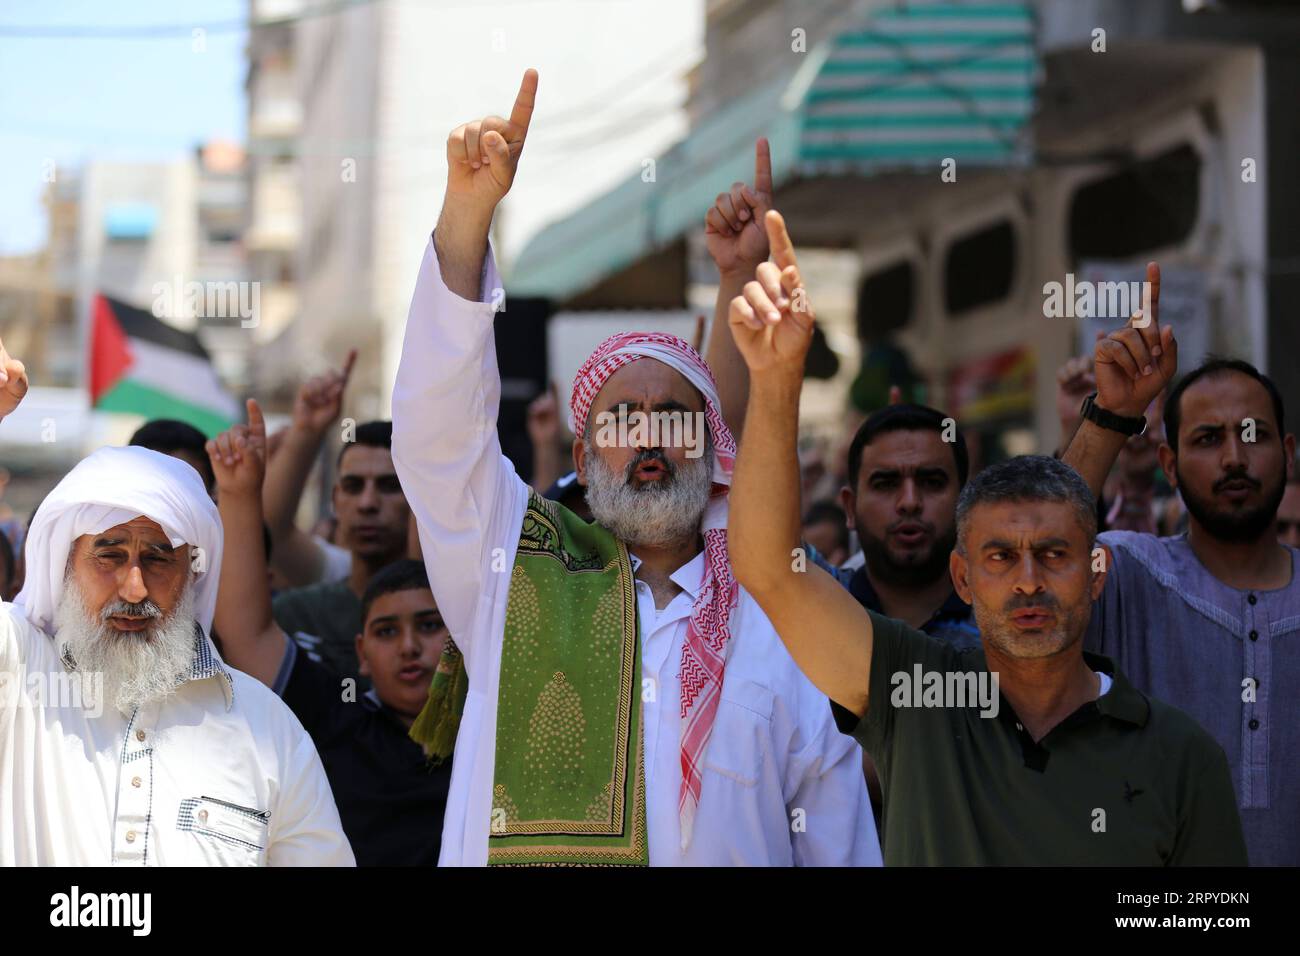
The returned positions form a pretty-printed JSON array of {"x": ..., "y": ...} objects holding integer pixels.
[{"x": 1109, "y": 420}]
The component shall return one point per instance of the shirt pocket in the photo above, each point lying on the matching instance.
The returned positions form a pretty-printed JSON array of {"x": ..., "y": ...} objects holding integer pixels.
[
  {"x": 741, "y": 739},
  {"x": 226, "y": 833}
]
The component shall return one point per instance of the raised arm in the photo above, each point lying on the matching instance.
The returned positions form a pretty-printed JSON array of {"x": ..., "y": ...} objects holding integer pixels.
[
  {"x": 825, "y": 630},
  {"x": 737, "y": 241},
  {"x": 1132, "y": 365},
  {"x": 482, "y": 157},
  {"x": 250, "y": 639},
  {"x": 294, "y": 552},
  {"x": 544, "y": 434},
  {"x": 463, "y": 492},
  {"x": 13, "y": 382}
]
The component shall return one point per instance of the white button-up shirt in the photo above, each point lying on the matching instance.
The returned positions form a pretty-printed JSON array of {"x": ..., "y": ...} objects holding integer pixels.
[
  {"x": 781, "y": 785},
  {"x": 218, "y": 774}
]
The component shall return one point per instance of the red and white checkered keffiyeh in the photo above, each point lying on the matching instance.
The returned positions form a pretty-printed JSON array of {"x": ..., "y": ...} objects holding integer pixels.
[{"x": 704, "y": 652}]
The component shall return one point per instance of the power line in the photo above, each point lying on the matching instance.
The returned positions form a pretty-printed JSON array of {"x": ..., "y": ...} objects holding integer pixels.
[
  {"x": 653, "y": 70},
  {"x": 161, "y": 31}
]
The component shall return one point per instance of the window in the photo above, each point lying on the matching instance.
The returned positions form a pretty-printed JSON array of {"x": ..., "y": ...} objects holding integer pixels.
[
  {"x": 1148, "y": 205},
  {"x": 885, "y": 300},
  {"x": 979, "y": 268}
]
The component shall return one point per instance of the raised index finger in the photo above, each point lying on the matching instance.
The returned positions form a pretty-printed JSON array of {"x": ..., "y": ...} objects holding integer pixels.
[
  {"x": 1149, "y": 321},
  {"x": 256, "y": 422},
  {"x": 763, "y": 166},
  {"x": 348, "y": 363},
  {"x": 522, "y": 112},
  {"x": 779, "y": 240}
]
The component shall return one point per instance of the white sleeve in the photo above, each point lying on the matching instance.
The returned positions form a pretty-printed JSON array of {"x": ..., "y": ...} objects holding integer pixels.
[
  {"x": 305, "y": 827},
  {"x": 464, "y": 493},
  {"x": 10, "y": 659},
  {"x": 838, "y": 826},
  {"x": 11, "y": 663}
]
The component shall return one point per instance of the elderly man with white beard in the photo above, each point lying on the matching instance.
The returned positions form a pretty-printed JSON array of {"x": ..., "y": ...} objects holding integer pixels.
[
  {"x": 619, "y": 699},
  {"x": 124, "y": 739}
]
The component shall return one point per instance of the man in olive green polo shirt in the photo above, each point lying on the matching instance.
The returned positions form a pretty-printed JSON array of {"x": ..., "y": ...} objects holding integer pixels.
[{"x": 1025, "y": 752}]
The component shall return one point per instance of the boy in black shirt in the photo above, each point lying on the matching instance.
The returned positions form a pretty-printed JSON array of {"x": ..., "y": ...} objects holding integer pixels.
[{"x": 390, "y": 799}]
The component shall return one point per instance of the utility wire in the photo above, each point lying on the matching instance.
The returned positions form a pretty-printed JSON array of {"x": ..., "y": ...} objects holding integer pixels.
[{"x": 163, "y": 31}]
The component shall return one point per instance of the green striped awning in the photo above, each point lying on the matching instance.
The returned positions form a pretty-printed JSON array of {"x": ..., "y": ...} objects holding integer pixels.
[
  {"x": 922, "y": 83},
  {"x": 905, "y": 89}
]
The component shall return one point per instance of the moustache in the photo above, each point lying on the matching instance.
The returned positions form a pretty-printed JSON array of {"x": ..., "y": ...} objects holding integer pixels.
[
  {"x": 925, "y": 526},
  {"x": 1023, "y": 602},
  {"x": 1237, "y": 476},
  {"x": 145, "y": 608}
]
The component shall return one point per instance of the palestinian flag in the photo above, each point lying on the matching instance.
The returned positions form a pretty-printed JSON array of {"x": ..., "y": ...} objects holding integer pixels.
[{"x": 143, "y": 366}]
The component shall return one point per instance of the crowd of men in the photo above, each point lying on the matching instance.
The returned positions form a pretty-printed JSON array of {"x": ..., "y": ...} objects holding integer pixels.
[{"x": 670, "y": 656}]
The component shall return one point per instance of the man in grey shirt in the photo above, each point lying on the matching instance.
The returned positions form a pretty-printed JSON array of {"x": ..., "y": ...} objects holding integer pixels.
[{"x": 1208, "y": 621}]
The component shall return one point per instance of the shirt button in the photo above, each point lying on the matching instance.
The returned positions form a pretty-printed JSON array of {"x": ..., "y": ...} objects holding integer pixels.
[
  {"x": 139, "y": 735},
  {"x": 1254, "y": 635},
  {"x": 1254, "y": 724},
  {"x": 1252, "y": 599},
  {"x": 130, "y": 836},
  {"x": 135, "y": 781},
  {"x": 203, "y": 816}
]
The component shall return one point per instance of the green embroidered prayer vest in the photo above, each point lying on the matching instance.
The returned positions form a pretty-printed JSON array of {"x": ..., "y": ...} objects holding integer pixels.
[{"x": 569, "y": 784}]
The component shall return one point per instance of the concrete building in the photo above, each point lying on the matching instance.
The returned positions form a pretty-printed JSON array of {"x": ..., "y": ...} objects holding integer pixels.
[
  {"x": 341, "y": 170},
  {"x": 965, "y": 155},
  {"x": 273, "y": 226},
  {"x": 139, "y": 233},
  {"x": 380, "y": 86},
  {"x": 220, "y": 261},
  {"x": 136, "y": 226}
]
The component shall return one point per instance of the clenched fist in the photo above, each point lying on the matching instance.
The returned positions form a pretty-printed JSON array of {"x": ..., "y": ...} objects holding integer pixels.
[{"x": 772, "y": 322}]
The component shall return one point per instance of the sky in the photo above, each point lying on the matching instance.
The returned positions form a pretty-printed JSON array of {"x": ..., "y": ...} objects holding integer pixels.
[{"x": 67, "y": 99}]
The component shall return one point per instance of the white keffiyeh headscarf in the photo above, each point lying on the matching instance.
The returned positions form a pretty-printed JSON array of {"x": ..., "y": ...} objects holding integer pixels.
[{"x": 109, "y": 488}]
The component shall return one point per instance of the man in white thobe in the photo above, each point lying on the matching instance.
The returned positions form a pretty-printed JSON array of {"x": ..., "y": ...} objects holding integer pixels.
[
  {"x": 124, "y": 739},
  {"x": 742, "y": 762}
]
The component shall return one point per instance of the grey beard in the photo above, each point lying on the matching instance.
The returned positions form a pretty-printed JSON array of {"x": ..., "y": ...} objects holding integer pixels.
[
  {"x": 656, "y": 515},
  {"x": 997, "y": 631},
  {"x": 136, "y": 668}
]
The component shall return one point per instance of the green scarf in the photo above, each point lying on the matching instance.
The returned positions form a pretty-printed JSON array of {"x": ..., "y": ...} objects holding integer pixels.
[{"x": 570, "y": 783}]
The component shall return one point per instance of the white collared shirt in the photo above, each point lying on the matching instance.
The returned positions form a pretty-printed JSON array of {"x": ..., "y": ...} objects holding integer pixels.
[
  {"x": 218, "y": 774},
  {"x": 781, "y": 785}
]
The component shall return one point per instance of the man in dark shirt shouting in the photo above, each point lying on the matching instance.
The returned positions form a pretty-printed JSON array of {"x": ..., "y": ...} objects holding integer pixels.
[{"x": 1023, "y": 752}]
